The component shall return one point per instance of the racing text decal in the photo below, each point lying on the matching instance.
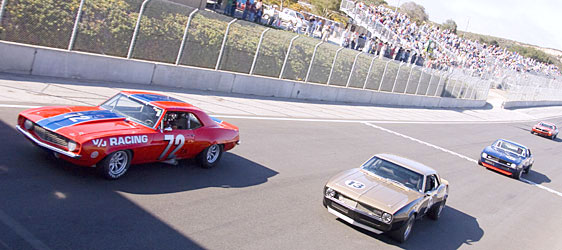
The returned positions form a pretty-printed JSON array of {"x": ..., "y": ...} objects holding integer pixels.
[{"x": 121, "y": 140}]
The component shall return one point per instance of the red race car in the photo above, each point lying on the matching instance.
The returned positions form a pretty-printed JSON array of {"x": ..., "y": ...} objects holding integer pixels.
[
  {"x": 545, "y": 129},
  {"x": 129, "y": 128}
]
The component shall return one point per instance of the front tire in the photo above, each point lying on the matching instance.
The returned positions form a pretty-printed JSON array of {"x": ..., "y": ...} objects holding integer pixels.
[
  {"x": 115, "y": 164},
  {"x": 435, "y": 212},
  {"x": 210, "y": 156},
  {"x": 528, "y": 169},
  {"x": 403, "y": 233},
  {"x": 517, "y": 174}
]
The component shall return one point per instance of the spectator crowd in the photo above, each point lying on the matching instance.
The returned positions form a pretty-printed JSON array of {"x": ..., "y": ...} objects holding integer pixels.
[
  {"x": 441, "y": 48},
  {"x": 424, "y": 44}
]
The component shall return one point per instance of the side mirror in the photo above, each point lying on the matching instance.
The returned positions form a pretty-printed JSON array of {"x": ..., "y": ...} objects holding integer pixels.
[{"x": 168, "y": 129}]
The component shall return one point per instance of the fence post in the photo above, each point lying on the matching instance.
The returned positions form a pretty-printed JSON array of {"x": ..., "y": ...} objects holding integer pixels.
[
  {"x": 472, "y": 90},
  {"x": 428, "y": 84},
  {"x": 312, "y": 60},
  {"x": 333, "y": 64},
  {"x": 287, "y": 56},
  {"x": 137, "y": 26},
  {"x": 409, "y": 76},
  {"x": 352, "y": 69},
  {"x": 182, "y": 45},
  {"x": 396, "y": 78},
  {"x": 383, "y": 73},
  {"x": 257, "y": 51},
  {"x": 369, "y": 72},
  {"x": 2, "y": 6},
  {"x": 419, "y": 83},
  {"x": 224, "y": 43},
  {"x": 74, "y": 29},
  {"x": 454, "y": 86},
  {"x": 438, "y": 83}
]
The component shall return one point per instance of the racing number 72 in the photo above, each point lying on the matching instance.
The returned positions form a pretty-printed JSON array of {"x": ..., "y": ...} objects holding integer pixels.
[{"x": 178, "y": 142}]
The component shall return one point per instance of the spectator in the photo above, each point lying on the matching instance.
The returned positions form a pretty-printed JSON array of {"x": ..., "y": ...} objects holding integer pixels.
[
  {"x": 259, "y": 11},
  {"x": 247, "y": 7}
]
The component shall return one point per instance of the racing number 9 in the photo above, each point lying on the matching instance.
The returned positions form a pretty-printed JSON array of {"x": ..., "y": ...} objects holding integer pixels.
[{"x": 179, "y": 141}]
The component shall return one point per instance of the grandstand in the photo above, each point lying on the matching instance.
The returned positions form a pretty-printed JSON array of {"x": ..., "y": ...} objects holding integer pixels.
[{"x": 441, "y": 48}]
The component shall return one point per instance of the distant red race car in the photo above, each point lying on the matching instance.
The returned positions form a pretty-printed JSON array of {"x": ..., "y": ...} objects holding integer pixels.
[
  {"x": 129, "y": 128},
  {"x": 545, "y": 129}
]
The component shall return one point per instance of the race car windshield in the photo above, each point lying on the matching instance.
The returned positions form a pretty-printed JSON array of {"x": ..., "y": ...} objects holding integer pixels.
[
  {"x": 511, "y": 147},
  {"x": 547, "y": 125},
  {"x": 145, "y": 114},
  {"x": 394, "y": 172}
]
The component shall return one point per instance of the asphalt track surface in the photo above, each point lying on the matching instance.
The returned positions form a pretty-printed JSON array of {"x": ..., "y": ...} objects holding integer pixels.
[{"x": 267, "y": 192}]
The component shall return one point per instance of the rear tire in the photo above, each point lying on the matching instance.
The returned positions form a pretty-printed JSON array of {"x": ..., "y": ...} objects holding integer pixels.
[
  {"x": 115, "y": 164},
  {"x": 210, "y": 156},
  {"x": 435, "y": 212},
  {"x": 403, "y": 233}
]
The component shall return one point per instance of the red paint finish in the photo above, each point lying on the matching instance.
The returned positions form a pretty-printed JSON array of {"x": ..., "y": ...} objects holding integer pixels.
[
  {"x": 147, "y": 144},
  {"x": 496, "y": 169}
]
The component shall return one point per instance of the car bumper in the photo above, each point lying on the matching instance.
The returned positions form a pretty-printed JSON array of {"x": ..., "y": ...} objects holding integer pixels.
[
  {"x": 358, "y": 219},
  {"x": 47, "y": 146},
  {"x": 543, "y": 133},
  {"x": 498, "y": 167}
]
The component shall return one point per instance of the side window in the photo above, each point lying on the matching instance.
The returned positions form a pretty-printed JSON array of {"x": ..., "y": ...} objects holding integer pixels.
[
  {"x": 431, "y": 183},
  {"x": 193, "y": 122},
  {"x": 176, "y": 120}
]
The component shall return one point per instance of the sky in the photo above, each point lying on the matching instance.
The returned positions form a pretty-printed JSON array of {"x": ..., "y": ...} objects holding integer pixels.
[{"x": 536, "y": 22}]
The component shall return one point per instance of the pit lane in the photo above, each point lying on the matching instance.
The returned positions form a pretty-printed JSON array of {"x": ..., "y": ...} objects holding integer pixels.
[{"x": 266, "y": 193}]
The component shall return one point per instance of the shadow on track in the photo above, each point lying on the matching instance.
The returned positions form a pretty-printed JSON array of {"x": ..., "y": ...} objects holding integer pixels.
[
  {"x": 70, "y": 207},
  {"x": 536, "y": 177},
  {"x": 453, "y": 230}
]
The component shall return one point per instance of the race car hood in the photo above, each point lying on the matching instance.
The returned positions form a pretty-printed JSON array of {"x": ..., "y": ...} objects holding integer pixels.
[
  {"x": 374, "y": 191},
  {"x": 83, "y": 123},
  {"x": 503, "y": 154}
]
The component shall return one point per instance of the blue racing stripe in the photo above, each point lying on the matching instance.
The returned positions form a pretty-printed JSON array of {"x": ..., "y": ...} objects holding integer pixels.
[
  {"x": 155, "y": 98},
  {"x": 73, "y": 118},
  {"x": 216, "y": 120}
]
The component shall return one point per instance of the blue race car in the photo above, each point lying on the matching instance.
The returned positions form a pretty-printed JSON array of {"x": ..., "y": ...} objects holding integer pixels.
[{"x": 507, "y": 157}]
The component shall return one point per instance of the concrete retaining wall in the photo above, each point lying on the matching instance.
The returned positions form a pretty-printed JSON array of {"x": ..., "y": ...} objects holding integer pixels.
[
  {"x": 527, "y": 104},
  {"x": 41, "y": 61}
]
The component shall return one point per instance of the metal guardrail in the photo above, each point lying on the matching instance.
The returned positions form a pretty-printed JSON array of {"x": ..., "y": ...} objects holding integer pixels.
[{"x": 166, "y": 32}]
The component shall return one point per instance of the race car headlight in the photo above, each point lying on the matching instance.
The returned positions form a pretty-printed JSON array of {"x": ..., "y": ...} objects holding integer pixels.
[
  {"x": 484, "y": 155},
  {"x": 330, "y": 193},
  {"x": 72, "y": 146},
  {"x": 513, "y": 165},
  {"x": 386, "y": 218},
  {"x": 28, "y": 124}
]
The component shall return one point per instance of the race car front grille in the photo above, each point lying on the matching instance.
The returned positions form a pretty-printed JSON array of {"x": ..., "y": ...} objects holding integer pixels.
[
  {"x": 369, "y": 210},
  {"x": 49, "y": 136},
  {"x": 496, "y": 159}
]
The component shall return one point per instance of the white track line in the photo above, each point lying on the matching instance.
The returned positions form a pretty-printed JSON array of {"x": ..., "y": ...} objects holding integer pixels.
[
  {"x": 18, "y": 106},
  {"x": 368, "y": 123},
  {"x": 333, "y": 120},
  {"x": 455, "y": 154}
]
